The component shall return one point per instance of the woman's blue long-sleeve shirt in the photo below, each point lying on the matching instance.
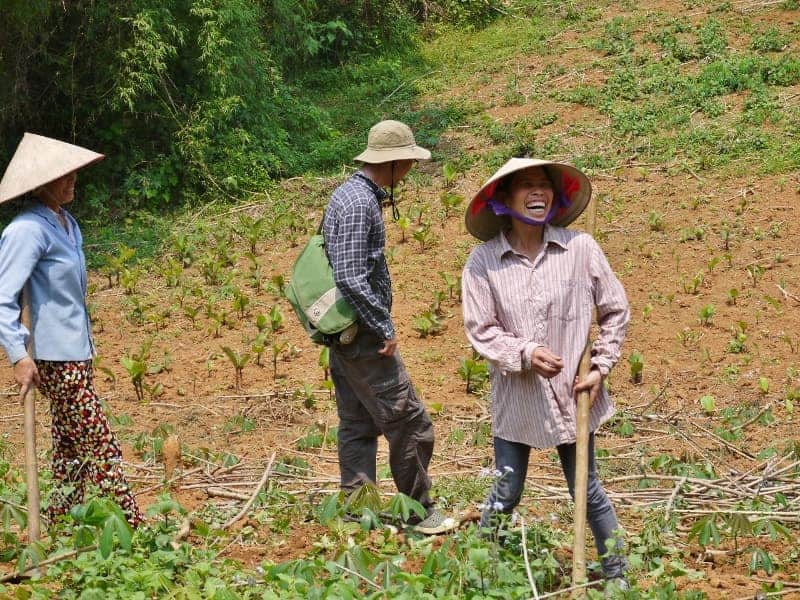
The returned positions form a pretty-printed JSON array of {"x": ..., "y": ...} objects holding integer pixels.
[{"x": 35, "y": 249}]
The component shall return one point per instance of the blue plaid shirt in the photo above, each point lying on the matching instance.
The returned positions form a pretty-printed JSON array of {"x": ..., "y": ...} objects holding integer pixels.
[{"x": 355, "y": 238}]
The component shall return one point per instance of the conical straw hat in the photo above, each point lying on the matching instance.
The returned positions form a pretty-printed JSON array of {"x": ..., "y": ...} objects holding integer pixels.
[
  {"x": 40, "y": 160},
  {"x": 484, "y": 224}
]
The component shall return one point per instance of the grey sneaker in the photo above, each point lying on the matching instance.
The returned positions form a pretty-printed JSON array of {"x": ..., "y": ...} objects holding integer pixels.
[
  {"x": 435, "y": 523},
  {"x": 615, "y": 586}
]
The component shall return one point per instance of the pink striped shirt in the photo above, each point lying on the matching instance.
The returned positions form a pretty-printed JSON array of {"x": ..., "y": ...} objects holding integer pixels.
[{"x": 511, "y": 305}]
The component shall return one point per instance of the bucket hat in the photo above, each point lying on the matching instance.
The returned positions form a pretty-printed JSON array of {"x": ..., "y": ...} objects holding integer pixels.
[
  {"x": 391, "y": 140},
  {"x": 39, "y": 160},
  {"x": 572, "y": 187}
]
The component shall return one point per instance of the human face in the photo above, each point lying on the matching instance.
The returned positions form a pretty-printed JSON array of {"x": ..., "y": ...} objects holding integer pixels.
[
  {"x": 59, "y": 192},
  {"x": 531, "y": 193},
  {"x": 401, "y": 169}
]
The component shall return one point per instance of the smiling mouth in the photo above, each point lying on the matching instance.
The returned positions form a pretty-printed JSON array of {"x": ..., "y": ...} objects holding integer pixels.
[{"x": 535, "y": 206}]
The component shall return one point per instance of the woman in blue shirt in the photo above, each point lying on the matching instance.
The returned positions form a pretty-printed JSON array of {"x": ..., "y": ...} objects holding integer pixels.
[{"x": 41, "y": 252}]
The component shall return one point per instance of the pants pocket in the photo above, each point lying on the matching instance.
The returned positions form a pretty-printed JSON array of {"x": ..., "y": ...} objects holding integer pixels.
[{"x": 395, "y": 398}]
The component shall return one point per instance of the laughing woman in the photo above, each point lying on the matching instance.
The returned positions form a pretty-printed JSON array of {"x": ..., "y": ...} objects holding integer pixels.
[
  {"x": 528, "y": 295},
  {"x": 41, "y": 251}
]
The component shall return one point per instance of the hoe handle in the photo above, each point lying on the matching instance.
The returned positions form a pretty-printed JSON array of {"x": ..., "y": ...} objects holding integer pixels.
[
  {"x": 31, "y": 466},
  {"x": 582, "y": 451}
]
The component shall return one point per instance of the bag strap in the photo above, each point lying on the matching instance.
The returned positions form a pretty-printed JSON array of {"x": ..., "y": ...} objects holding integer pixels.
[{"x": 322, "y": 220}]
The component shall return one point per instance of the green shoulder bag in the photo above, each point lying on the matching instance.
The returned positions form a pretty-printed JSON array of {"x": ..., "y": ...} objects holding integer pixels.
[{"x": 319, "y": 305}]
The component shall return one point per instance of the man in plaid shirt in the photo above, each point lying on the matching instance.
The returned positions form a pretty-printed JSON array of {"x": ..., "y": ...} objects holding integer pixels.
[{"x": 374, "y": 394}]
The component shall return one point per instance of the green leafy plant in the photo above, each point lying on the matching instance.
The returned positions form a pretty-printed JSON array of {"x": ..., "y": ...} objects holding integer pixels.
[
  {"x": 275, "y": 319},
  {"x": 706, "y": 313},
  {"x": 238, "y": 361},
  {"x": 423, "y": 235},
  {"x": 135, "y": 364},
  {"x": 708, "y": 404},
  {"x": 474, "y": 372},
  {"x": 427, "y": 323},
  {"x": 636, "y": 362}
]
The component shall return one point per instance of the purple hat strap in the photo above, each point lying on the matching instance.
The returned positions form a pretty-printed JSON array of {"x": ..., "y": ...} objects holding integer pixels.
[{"x": 500, "y": 208}]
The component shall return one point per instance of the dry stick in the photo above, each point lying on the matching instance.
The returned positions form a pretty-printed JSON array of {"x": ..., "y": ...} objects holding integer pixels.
[
  {"x": 723, "y": 442},
  {"x": 250, "y": 502},
  {"x": 31, "y": 467},
  {"x": 672, "y": 498},
  {"x": 582, "y": 449},
  {"x": 49, "y": 561},
  {"x": 527, "y": 561},
  {"x": 223, "y": 493},
  {"x": 787, "y": 294},
  {"x": 359, "y": 575},
  {"x": 572, "y": 589},
  {"x": 168, "y": 483}
]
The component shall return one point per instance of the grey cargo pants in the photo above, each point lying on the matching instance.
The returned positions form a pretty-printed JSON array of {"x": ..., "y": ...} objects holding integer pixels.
[{"x": 374, "y": 396}]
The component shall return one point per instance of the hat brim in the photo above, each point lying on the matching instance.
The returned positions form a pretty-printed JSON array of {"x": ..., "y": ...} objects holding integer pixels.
[
  {"x": 377, "y": 156},
  {"x": 40, "y": 160},
  {"x": 481, "y": 221}
]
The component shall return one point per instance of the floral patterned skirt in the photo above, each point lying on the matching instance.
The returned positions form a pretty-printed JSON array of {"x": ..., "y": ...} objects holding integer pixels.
[{"x": 84, "y": 448}]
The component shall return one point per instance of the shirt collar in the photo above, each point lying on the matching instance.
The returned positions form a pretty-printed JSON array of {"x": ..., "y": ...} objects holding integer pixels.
[
  {"x": 47, "y": 214},
  {"x": 379, "y": 192},
  {"x": 552, "y": 235}
]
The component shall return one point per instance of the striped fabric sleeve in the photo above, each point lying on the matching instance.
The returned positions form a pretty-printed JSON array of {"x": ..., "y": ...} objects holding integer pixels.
[
  {"x": 613, "y": 312},
  {"x": 484, "y": 331}
]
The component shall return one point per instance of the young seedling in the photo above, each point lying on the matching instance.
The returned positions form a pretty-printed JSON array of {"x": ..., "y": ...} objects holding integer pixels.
[
  {"x": 733, "y": 294},
  {"x": 656, "y": 221},
  {"x": 135, "y": 364},
  {"x": 251, "y": 230},
  {"x": 708, "y": 404},
  {"x": 427, "y": 323},
  {"x": 706, "y": 313},
  {"x": 452, "y": 282},
  {"x": 172, "y": 272},
  {"x": 238, "y": 361},
  {"x": 450, "y": 201},
  {"x": 275, "y": 319},
  {"x": 636, "y": 361},
  {"x": 258, "y": 346},
  {"x": 737, "y": 345},
  {"x": 403, "y": 223},
  {"x": 474, "y": 371},
  {"x": 129, "y": 278},
  {"x": 306, "y": 393},
  {"x": 423, "y": 235},
  {"x": 183, "y": 246},
  {"x": 449, "y": 174},
  {"x": 240, "y": 302},
  {"x": 755, "y": 272},
  {"x": 647, "y": 311},
  {"x": 279, "y": 284},
  {"x": 278, "y": 346},
  {"x": 324, "y": 361},
  {"x": 191, "y": 313}
]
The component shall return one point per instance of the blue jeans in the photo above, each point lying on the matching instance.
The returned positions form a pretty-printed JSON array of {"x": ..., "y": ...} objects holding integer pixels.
[{"x": 508, "y": 488}]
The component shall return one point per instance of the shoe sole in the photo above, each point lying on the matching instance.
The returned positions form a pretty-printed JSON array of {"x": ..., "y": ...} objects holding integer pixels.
[{"x": 449, "y": 524}]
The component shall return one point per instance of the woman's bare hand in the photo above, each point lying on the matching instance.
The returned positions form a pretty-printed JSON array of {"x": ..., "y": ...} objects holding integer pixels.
[
  {"x": 26, "y": 375},
  {"x": 592, "y": 383},
  {"x": 545, "y": 362}
]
